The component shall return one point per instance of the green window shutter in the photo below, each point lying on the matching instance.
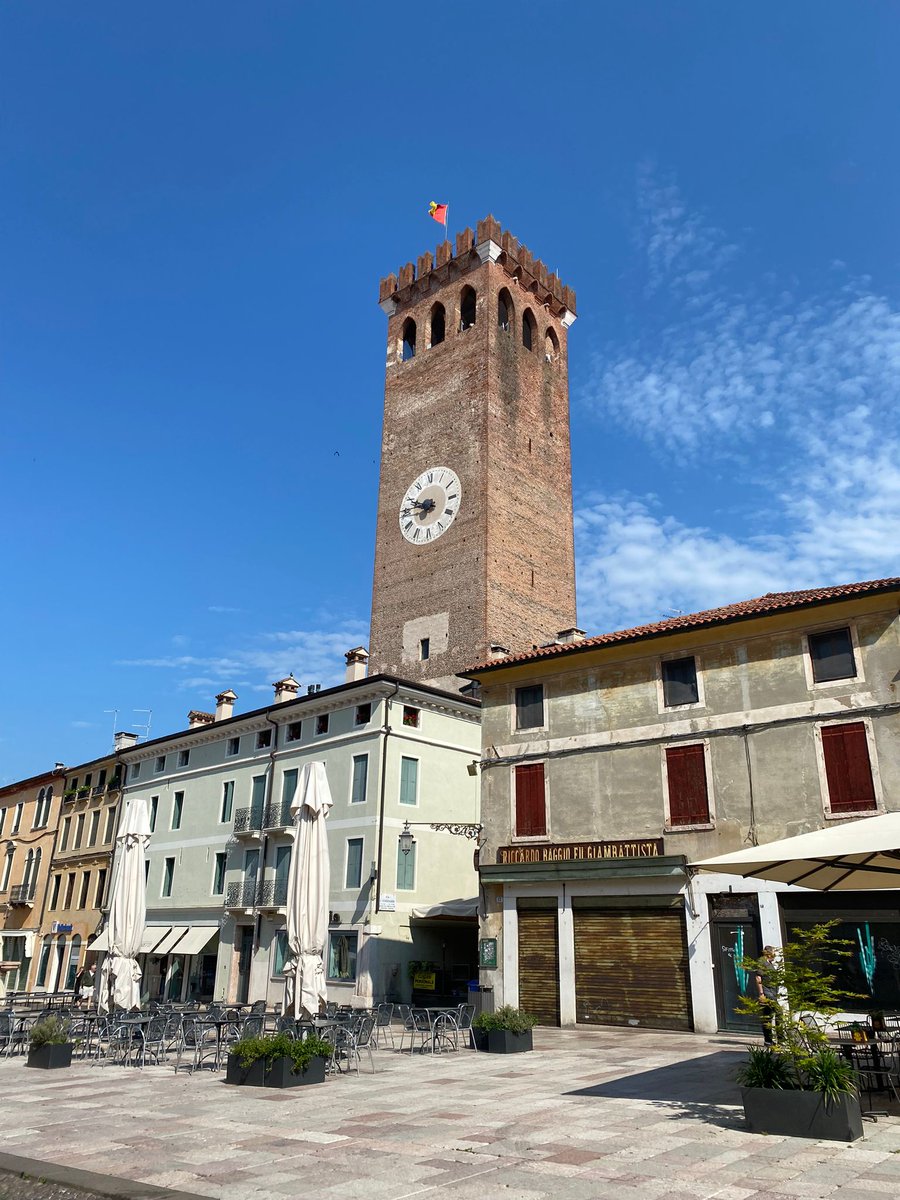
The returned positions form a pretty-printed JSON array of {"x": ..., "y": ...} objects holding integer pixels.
[
  {"x": 360, "y": 778},
  {"x": 406, "y": 870},
  {"x": 409, "y": 780}
]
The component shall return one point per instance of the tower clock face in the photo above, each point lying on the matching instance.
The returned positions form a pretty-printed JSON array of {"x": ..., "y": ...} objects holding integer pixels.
[{"x": 430, "y": 505}]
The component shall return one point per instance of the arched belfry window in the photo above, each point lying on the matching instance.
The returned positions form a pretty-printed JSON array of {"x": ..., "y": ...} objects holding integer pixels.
[
  {"x": 408, "y": 346},
  {"x": 551, "y": 347},
  {"x": 467, "y": 308},
  {"x": 438, "y": 324},
  {"x": 504, "y": 310},
  {"x": 529, "y": 329}
]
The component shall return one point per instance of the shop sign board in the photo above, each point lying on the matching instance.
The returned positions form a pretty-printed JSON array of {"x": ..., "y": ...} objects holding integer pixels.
[{"x": 580, "y": 851}]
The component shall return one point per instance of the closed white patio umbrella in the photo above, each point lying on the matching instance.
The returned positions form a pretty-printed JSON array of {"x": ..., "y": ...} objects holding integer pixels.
[
  {"x": 861, "y": 855},
  {"x": 120, "y": 976},
  {"x": 307, "y": 895}
]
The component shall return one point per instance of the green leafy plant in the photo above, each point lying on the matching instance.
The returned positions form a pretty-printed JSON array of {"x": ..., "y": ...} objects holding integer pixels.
[
  {"x": 414, "y": 966},
  {"x": 51, "y": 1031},
  {"x": 280, "y": 1045},
  {"x": 803, "y": 975},
  {"x": 507, "y": 1018}
]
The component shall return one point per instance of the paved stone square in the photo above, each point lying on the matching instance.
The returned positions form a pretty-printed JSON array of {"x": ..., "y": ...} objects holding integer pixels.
[{"x": 624, "y": 1113}]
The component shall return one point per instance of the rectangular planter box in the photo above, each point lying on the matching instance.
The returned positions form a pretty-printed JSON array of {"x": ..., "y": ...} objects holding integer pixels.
[
  {"x": 501, "y": 1041},
  {"x": 802, "y": 1114},
  {"x": 50, "y": 1057},
  {"x": 281, "y": 1075},
  {"x": 252, "y": 1076}
]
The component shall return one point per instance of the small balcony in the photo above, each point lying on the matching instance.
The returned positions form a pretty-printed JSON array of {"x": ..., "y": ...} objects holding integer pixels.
[
  {"x": 241, "y": 895},
  {"x": 272, "y": 893},
  {"x": 278, "y": 816},
  {"x": 22, "y": 893},
  {"x": 248, "y": 822}
]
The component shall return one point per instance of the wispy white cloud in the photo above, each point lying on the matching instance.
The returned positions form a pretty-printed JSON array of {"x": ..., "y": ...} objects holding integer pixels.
[
  {"x": 222, "y": 608},
  {"x": 83, "y": 724},
  {"x": 796, "y": 395}
]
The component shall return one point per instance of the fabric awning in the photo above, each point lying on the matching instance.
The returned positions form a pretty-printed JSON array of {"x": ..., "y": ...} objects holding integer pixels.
[
  {"x": 168, "y": 942},
  {"x": 860, "y": 855},
  {"x": 196, "y": 939},
  {"x": 450, "y": 908},
  {"x": 101, "y": 942},
  {"x": 153, "y": 935}
]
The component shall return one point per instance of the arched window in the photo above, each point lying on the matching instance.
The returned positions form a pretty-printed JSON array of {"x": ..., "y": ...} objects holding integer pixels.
[
  {"x": 438, "y": 322},
  {"x": 38, "y": 810},
  {"x": 7, "y": 868},
  {"x": 29, "y": 869},
  {"x": 408, "y": 349},
  {"x": 467, "y": 308},
  {"x": 43, "y": 962},
  {"x": 504, "y": 310},
  {"x": 529, "y": 329},
  {"x": 551, "y": 347}
]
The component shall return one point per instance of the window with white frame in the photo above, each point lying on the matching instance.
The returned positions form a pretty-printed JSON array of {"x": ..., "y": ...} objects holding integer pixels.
[
  {"x": 686, "y": 786},
  {"x": 353, "y": 874},
  {"x": 279, "y": 953},
  {"x": 409, "y": 780},
  {"x": 184, "y": 757},
  {"x": 679, "y": 681},
  {"x": 218, "y": 888},
  {"x": 168, "y": 876},
  {"x": 530, "y": 706},
  {"x": 232, "y": 747},
  {"x": 848, "y": 768},
  {"x": 264, "y": 739},
  {"x": 342, "y": 951},
  {"x": 160, "y": 765},
  {"x": 360, "y": 778},
  {"x": 831, "y": 655},
  {"x": 227, "y": 802},
  {"x": 406, "y": 869}
]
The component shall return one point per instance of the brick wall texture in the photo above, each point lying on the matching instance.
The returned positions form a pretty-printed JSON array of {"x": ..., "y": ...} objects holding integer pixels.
[{"x": 498, "y": 415}]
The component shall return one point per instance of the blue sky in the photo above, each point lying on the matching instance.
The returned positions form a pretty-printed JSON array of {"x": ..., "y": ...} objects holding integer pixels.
[{"x": 196, "y": 204}]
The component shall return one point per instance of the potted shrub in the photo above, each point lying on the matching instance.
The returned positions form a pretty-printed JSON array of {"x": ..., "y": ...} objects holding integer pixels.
[
  {"x": 800, "y": 1086},
  {"x": 51, "y": 1044},
  {"x": 277, "y": 1060},
  {"x": 505, "y": 1031}
]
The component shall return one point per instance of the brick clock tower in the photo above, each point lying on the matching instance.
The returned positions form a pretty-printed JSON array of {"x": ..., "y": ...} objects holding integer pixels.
[{"x": 474, "y": 543}]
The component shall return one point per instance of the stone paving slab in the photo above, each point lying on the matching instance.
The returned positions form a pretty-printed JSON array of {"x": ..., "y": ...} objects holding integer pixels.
[{"x": 627, "y": 1114}]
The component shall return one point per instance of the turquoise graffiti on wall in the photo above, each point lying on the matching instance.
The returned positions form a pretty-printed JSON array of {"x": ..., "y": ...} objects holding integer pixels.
[{"x": 866, "y": 953}]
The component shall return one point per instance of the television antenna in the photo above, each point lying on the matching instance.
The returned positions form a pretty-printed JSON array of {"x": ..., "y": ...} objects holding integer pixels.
[
  {"x": 143, "y": 727},
  {"x": 114, "y": 713}
]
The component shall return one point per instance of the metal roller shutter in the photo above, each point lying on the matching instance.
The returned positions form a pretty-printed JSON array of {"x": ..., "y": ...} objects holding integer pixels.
[
  {"x": 631, "y": 965},
  {"x": 539, "y": 964}
]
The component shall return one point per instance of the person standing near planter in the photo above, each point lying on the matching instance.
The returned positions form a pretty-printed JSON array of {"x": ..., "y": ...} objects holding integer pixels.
[{"x": 768, "y": 997}]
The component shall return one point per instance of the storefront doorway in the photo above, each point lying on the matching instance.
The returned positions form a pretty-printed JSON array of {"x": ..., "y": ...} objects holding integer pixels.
[
  {"x": 734, "y": 937},
  {"x": 245, "y": 960}
]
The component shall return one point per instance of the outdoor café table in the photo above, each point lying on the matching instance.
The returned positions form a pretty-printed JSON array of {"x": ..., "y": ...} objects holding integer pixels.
[
  {"x": 218, "y": 1023},
  {"x": 867, "y": 1055},
  {"x": 443, "y": 1025}
]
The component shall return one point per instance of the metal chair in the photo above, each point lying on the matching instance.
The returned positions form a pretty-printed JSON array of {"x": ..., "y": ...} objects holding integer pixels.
[
  {"x": 464, "y": 1023},
  {"x": 384, "y": 1016}
]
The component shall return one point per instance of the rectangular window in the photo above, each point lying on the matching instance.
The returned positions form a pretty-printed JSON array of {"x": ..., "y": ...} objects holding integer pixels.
[
  {"x": 258, "y": 792},
  {"x": 294, "y": 730},
  {"x": 54, "y": 896},
  {"x": 321, "y": 724},
  {"x": 110, "y": 825},
  {"x": 360, "y": 777},
  {"x": 70, "y": 890},
  {"x": 184, "y": 757},
  {"x": 177, "y": 809},
  {"x": 101, "y": 778},
  {"x": 848, "y": 771},
  {"x": 168, "y": 876},
  {"x": 406, "y": 870},
  {"x": 688, "y": 794},
  {"x": 17, "y": 819},
  {"x": 160, "y": 764},
  {"x": 44, "y": 962},
  {"x": 154, "y": 811},
  {"x": 832, "y": 655},
  {"x": 95, "y": 828},
  {"x": 425, "y": 648},
  {"x": 232, "y": 747},
  {"x": 85, "y": 888},
  {"x": 218, "y": 888},
  {"x": 79, "y": 831},
  {"x": 679, "y": 679},
  {"x": 342, "y": 955},
  {"x": 227, "y": 802},
  {"x": 354, "y": 862},
  {"x": 134, "y": 770},
  {"x": 531, "y": 807},
  {"x": 146, "y": 870},
  {"x": 279, "y": 952},
  {"x": 363, "y": 714},
  {"x": 264, "y": 739},
  {"x": 409, "y": 780},
  {"x": 101, "y": 888},
  {"x": 288, "y": 787},
  {"x": 64, "y": 840},
  {"x": 88, "y": 778},
  {"x": 530, "y": 707},
  {"x": 410, "y": 716}
]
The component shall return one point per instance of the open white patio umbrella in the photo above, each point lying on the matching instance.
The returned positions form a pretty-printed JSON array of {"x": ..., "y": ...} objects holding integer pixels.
[
  {"x": 307, "y": 895},
  {"x": 861, "y": 855},
  {"x": 120, "y": 976}
]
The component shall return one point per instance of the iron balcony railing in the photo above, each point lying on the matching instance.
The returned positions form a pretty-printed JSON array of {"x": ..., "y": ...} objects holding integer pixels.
[
  {"x": 272, "y": 893},
  {"x": 278, "y": 816},
  {"x": 255, "y": 893},
  {"x": 22, "y": 893},
  {"x": 258, "y": 817},
  {"x": 248, "y": 820},
  {"x": 241, "y": 895}
]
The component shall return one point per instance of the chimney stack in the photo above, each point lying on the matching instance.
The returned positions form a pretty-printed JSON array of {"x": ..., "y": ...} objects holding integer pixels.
[
  {"x": 197, "y": 718},
  {"x": 357, "y": 664},
  {"x": 124, "y": 741},
  {"x": 566, "y": 636},
  {"x": 286, "y": 689},
  {"x": 498, "y": 651},
  {"x": 225, "y": 705}
]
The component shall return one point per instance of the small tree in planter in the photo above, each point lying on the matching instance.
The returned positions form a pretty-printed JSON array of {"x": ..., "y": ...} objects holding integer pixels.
[
  {"x": 505, "y": 1031},
  {"x": 277, "y": 1060},
  {"x": 51, "y": 1044},
  {"x": 800, "y": 1086}
]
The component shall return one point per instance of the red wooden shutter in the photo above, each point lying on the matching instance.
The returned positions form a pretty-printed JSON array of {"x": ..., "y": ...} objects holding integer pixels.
[
  {"x": 688, "y": 797},
  {"x": 531, "y": 810},
  {"x": 847, "y": 768}
]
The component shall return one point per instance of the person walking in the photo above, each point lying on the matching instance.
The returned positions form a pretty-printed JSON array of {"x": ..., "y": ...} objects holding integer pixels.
[{"x": 767, "y": 994}]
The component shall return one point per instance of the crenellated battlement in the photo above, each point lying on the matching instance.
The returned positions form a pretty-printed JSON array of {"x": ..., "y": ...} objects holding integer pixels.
[{"x": 488, "y": 243}]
